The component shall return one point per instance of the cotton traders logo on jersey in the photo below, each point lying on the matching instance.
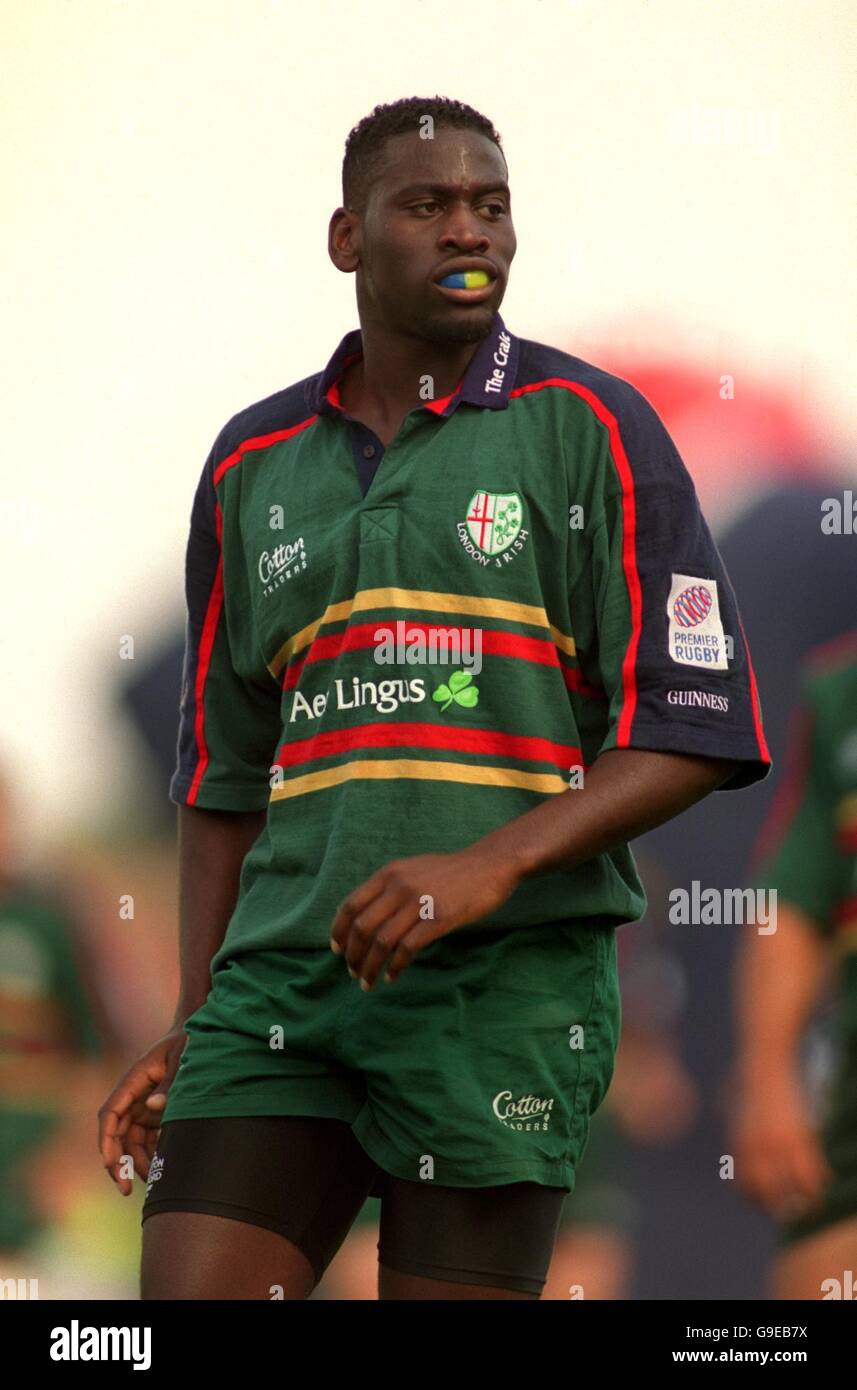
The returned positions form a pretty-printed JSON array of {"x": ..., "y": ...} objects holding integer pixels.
[
  {"x": 492, "y": 527},
  {"x": 696, "y": 636},
  {"x": 276, "y": 566}
]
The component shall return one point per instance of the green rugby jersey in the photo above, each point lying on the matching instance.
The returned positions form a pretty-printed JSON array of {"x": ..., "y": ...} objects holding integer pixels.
[
  {"x": 541, "y": 518},
  {"x": 809, "y": 844}
]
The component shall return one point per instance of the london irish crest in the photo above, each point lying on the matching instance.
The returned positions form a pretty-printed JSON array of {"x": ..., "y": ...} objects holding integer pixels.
[{"x": 493, "y": 526}]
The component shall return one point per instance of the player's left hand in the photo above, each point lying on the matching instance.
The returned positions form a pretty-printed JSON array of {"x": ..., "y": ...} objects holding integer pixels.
[{"x": 411, "y": 902}]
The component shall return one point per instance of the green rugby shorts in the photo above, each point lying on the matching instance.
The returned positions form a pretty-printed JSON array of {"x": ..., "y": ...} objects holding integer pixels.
[{"x": 480, "y": 1065}]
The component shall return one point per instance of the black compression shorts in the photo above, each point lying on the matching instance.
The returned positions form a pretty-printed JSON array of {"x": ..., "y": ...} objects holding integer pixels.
[{"x": 307, "y": 1178}]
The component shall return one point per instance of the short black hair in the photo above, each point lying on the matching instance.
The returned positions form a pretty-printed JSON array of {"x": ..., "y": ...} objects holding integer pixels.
[{"x": 365, "y": 144}]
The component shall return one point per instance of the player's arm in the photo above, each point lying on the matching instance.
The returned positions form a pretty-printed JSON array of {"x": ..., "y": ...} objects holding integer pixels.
[
  {"x": 779, "y": 1161},
  {"x": 212, "y": 848},
  {"x": 228, "y": 732},
  {"x": 213, "y": 844},
  {"x": 626, "y": 793}
]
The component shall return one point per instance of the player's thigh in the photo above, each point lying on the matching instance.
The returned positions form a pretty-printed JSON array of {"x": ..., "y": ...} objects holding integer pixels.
[
  {"x": 393, "y": 1285},
  {"x": 194, "y": 1255},
  {"x": 272, "y": 1198},
  {"x": 801, "y": 1270},
  {"x": 466, "y": 1243}
]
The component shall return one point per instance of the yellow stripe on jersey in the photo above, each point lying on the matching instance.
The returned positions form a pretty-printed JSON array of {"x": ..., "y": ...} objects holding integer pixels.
[
  {"x": 471, "y": 605},
  {"x": 419, "y": 769},
  {"x": 846, "y": 811},
  {"x": 844, "y": 940}
]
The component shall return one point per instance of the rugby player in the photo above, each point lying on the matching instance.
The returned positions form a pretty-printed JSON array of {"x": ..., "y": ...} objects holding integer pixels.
[
  {"x": 803, "y": 1171},
  {"x": 401, "y": 882}
]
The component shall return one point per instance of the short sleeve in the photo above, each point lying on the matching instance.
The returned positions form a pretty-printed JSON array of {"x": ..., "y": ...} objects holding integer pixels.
[
  {"x": 668, "y": 645},
  {"x": 796, "y": 853},
  {"x": 229, "y": 725}
]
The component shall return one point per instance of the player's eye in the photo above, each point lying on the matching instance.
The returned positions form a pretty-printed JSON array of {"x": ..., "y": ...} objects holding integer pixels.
[
  {"x": 496, "y": 209},
  {"x": 429, "y": 203}
]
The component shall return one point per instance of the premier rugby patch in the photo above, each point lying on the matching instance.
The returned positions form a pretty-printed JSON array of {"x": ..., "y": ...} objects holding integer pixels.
[{"x": 695, "y": 631}]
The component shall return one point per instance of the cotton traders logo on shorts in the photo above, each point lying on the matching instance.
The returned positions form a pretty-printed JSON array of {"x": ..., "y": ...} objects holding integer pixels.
[
  {"x": 156, "y": 1169},
  {"x": 492, "y": 528},
  {"x": 526, "y": 1113}
]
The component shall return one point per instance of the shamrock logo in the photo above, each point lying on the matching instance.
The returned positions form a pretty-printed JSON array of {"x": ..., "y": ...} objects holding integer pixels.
[
  {"x": 459, "y": 690},
  {"x": 507, "y": 522}
]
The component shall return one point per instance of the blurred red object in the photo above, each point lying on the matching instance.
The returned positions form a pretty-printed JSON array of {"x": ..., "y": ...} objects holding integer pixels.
[{"x": 734, "y": 448}]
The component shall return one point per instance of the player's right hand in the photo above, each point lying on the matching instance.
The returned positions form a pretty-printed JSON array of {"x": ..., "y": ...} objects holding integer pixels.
[
  {"x": 129, "y": 1121},
  {"x": 779, "y": 1161}
]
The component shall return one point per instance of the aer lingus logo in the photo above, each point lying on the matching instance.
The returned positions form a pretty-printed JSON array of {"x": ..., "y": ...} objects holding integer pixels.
[{"x": 459, "y": 691}]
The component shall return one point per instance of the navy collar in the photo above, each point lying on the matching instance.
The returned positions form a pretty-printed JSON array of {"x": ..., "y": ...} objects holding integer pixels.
[{"x": 487, "y": 382}]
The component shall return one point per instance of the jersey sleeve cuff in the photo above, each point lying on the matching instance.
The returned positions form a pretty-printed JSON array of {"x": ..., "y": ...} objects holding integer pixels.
[
  {"x": 699, "y": 743},
  {"x": 240, "y": 797}
]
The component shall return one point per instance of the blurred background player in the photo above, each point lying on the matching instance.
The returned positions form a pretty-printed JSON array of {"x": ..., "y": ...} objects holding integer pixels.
[
  {"x": 54, "y": 1029},
  {"x": 764, "y": 470},
  {"x": 804, "y": 1173}
]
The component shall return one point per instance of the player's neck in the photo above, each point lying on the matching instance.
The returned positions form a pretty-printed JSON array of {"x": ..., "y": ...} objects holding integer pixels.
[{"x": 397, "y": 374}]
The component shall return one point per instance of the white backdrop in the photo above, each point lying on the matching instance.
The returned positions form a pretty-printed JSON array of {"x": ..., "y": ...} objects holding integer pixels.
[{"x": 678, "y": 170}]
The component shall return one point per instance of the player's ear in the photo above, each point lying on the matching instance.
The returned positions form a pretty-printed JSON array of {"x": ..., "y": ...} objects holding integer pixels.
[{"x": 343, "y": 237}]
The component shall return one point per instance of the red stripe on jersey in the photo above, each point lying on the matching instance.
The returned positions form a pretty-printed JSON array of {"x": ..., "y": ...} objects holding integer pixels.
[
  {"x": 332, "y": 396},
  {"x": 439, "y": 406},
  {"x": 206, "y": 647},
  {"x": 846, "y": 839},
  {"x": 423, "y": 735},
  {"x": 494, "y": 643},
  {"x": 261, "y": 441},
  {"x": 576, "y": 681},
  {"x": 755, "y": 701},
  {"x": 215, "y": 601},
  {"x": 846, "y": 911},
  {"x": 629, "y": 552}
]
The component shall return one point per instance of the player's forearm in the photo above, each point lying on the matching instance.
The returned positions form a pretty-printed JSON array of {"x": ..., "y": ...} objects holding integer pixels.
[
  {"x": 212, "y": 846},
  {"x": 779, "y": 977},
  {"x": 626, "y": 793}
]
